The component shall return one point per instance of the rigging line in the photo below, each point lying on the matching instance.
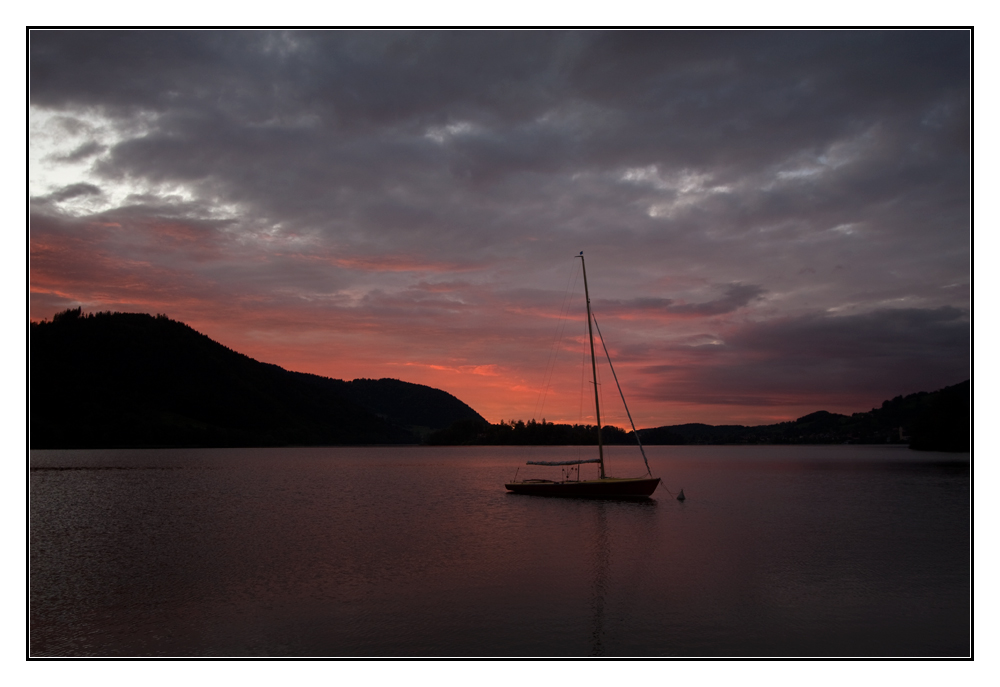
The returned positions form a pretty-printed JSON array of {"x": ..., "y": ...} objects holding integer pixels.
[
  {"x": 635, "y": 432},
  {"x": 661, "y": 484}
]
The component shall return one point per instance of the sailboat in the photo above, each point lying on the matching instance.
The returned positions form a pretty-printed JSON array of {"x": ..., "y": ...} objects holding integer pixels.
[{"x": 604, "y": 486}]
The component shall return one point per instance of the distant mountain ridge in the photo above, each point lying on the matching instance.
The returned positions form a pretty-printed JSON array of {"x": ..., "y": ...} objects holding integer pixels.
[
  {"x": 935, "y": 421},
  {"x": 931, "y": 421},
  {"x": 127, "y": 380}
]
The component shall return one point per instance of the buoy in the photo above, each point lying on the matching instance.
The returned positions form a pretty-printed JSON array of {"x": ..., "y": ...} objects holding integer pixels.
[{"x": 680, "y": 496}]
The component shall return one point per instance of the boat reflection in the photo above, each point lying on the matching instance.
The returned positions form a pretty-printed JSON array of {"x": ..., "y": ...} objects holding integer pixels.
[{"x": 623, "y": 531}]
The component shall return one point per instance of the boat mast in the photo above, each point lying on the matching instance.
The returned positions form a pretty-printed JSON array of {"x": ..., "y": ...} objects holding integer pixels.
[{"x": 593, "y": 365}]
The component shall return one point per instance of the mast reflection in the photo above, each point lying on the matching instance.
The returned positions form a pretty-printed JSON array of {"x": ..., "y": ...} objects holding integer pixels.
[{"x": 608, "y": 515}]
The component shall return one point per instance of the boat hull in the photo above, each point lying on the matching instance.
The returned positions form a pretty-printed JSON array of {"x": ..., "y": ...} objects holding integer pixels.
[{"x": 609, "y": 488}]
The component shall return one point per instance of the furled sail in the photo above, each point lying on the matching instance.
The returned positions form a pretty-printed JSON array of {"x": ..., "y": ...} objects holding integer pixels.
[{"x": 563, "y": 462}]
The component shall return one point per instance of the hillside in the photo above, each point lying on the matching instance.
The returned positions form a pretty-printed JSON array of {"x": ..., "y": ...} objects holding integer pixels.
[
  {"x": 127, "y": 379},
  {"x": 935, "y": 421}
]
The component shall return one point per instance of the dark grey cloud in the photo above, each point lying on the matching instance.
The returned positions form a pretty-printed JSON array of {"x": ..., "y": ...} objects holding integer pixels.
[
  {"x": 298, "y": 126},
  {"x": 736, "y": 296},
  {"x": 71, "y": 191},
  {"x": 88, "y": 149},
  {"x": 873, "y": 355},
  {"x": 627, "y": 94},
  {"x": 881, "y": 334}
]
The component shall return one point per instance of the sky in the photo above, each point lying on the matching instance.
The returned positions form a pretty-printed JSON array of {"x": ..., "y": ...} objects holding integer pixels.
[{"x": 774, "y": 223}]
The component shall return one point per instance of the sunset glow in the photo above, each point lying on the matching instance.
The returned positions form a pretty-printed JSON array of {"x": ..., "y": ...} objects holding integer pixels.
[{"x": 773, "y": 223}]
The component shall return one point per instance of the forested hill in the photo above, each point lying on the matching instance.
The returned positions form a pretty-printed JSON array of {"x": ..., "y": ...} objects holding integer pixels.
[
  {"x": 126, "y": 380},
  {"x": 934, "y": 421}
]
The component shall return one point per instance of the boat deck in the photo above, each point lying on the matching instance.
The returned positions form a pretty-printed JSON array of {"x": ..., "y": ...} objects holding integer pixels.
[{"x": 609, "y": 487}]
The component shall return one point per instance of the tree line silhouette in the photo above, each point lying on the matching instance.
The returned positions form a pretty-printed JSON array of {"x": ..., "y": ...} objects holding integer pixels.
[
  {"x": 935, "y": 421},
  {"x": 128, "y": 379},
  {"x": 530, "y": 433}
]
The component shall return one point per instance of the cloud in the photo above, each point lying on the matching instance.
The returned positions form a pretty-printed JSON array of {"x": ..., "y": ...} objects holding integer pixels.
[
  {"x": 88, "y": 149},
  {"x": 295, "y": 179},
  {"x": 736, "y": 296},
  {"x": 826, "y": 359},
  {"x": 70, "y": 192}
]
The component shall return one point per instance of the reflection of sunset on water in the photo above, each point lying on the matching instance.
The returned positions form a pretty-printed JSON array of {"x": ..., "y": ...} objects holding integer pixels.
[{"x": 419, "y": 551}]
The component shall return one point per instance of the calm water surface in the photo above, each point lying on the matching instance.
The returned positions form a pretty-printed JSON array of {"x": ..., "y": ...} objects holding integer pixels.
[{"x": 778, "y": 551}]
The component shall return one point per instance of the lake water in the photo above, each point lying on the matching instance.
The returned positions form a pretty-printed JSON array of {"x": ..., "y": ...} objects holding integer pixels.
[{"x": 777, "y": 551}]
